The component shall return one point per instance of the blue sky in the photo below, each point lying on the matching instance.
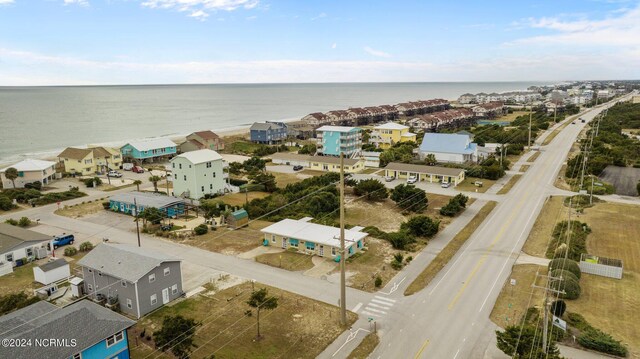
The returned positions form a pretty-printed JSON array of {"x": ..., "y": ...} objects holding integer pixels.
[{"x": 65, "y": 42}]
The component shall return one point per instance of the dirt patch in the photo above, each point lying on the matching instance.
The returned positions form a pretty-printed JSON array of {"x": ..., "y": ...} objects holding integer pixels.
[
  {"x": 366, "y": 347},
  {"x": 384, "y": 214},
  {"x": 228, "y": 332},
  {"x": 80, "y": 210},
  {"x": 512, "y": 182},
  {"x": 371, "y": 263},
  {"x": 624, "y": 179},
  {"x": 534, "y": 157},
  {"x": 513, "y": 301},
  {"x": 239, "y": 199},
  {"x": 231, "y": 242},
  {"x": 287, "y": 260}
]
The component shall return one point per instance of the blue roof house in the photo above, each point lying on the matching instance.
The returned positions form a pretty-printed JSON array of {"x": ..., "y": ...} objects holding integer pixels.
[
  {"x": 150, "y": 149},
  {"x": 81, "y": 330},
  {"x": 268, "y": 132},
  {"x": 449, "y": 147}
]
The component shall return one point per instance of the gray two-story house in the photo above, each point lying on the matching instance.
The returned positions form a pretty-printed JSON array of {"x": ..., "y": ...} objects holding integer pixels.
[
  {"x": 268, "y": 132},
  {"x": 140, "y": 279}
]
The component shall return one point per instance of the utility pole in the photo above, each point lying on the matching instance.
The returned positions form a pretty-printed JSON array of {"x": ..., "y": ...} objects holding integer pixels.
[
  {"x": 530, "y": 114},
  {"x": 135, "y": 206},
  {"x": 343, "y": 289},
  {"x": 547, "y": 289},
  {"x": 106, "y": 160},
  {"x": 166, "y": 179}
]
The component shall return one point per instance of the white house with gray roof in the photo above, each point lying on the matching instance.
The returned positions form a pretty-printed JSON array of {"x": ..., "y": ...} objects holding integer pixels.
[
  {"x": 81, "y": 330},
  {"x": 141, "y": 279},
  {"x": 52, "y": 271},
  {"x": 197, "y": 173},
  {"x": 21, "y": 245}
]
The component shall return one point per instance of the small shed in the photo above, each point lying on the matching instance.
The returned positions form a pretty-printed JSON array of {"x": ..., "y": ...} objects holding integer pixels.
[
  {"x": 76, "y": 287},
  {"x": 237, "y": 219},
  {"x": 52, "y": 271}
]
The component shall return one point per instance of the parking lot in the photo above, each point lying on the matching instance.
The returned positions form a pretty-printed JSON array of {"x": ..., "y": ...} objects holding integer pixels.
[{"x": 624, "y": 179}]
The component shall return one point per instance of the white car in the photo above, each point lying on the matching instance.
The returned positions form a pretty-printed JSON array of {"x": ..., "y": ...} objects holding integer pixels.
[
  {"x": 389, "y": 178},
  {"x": 114, "y": 174},
  {"x": 445, "y": 185},
  {"x": 412, "y": 179}
]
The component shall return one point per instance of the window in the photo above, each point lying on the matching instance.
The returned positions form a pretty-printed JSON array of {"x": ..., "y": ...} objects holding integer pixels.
[
  {"x": 99, "y": 274},
  {"x": 214, "y": 175},
  {"x": 273, "y": 238},
  {"x": 77, "y": 356},
  {"x": 180, "y": 165},
  {"x": 90, "y": 287},
  {"x": 123, "y": 283},
  {"x": 333, "y": 251},
  {"x": 175, "y": 176},
  {"x": 152, "y": 277},
  {"x": 116, "y": 338},
  {"x": 211, "y": 186},
  {"x": 202, "y": 188},
  {"x": 173, "y": 165},
  {"x": 129, "y": 303},
  {"x": 189, "y": 166},
  {"x": 90, "y": 270},
  {"x": 208, "y": 164},
  {"x": 174, "y": 289},
  {"x": 154, "y": 299},
  {"x": 185, "y": 177},
  {"x": 9, "y": 257},
  {"x": 29, "y": 252},
  {"x": 167, "y": 271}
]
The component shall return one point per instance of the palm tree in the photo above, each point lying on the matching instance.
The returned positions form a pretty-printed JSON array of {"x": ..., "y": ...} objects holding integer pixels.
[
  {"x": 155, "y": 180},
  {"x": 137, "y": 183},
  {"x": 11, "y": 174}
]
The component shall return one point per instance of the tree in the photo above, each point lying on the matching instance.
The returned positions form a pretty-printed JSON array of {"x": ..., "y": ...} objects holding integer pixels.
[
  {"x": 409, "y": 197},
  {"x": 260, "y": 300},
  {"x": 266, "y": 179},
  {"x": 5, "y": 203},
  {"x": 430, "y": 159},
  {"x": 155, "y": 179},
  {"x": 372, "y": 189},
  {"x": 152, "y": 215},
  {"x": 201, "y": 229},
  {"x": 176, "y": 334},
  {"x": 421, "y": 226},
  {"x": 24, "y": 222},
  {"x": 86, "y": 246},
  {"x": 570, "y": 265},
  {"x": 308, "y": 149},
  {"x": 254, "y": 164},
  {"x": 524, "y": 342},
  {"x": 11, "y": 174},
  {"x": 137, "y": 183},
  {"x": 638, "y": 188}
]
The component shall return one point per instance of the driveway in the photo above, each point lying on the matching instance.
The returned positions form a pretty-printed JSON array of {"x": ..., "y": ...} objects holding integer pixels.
[{"x": 281, "y": 169}]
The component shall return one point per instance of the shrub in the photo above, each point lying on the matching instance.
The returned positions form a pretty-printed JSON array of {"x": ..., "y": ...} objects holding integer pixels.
[
  {"x": 565, "y": 274},
  {"x": 70, "y": 251},
  {"x": 598, "y": 340},
  {"x": 201, "y": 229},
  {"x": 91, "y": 182},
  {"x": 400, "y": 240},
  {"x": 568, "y": 264},
  {"x": 409, "y": 198},
  {"x": 378, "y": 282},
  {"x": 5, "y": 203},
  {"x": 372, "y": 189},
  {"x": 450, "y": 209},
  {"x": 570, "y": 287},
  {"x": 106, "y": 205},
  {"x": 421, "y": 226},
  {"x": 86, "y": 246},
  {"x": 37, "y": 185},
  {"x": 11, "y": 221},
  {"x": 11, "y": 302},
  {"x": 237, "y": 181},
  {"x": 24, "y": 222}
]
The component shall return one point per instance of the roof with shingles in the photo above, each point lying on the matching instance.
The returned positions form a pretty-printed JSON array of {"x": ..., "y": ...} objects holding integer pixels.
[
  {"x": 60, "y": 262},
  {"x": 12, "y": 237},
  {"x": 124, "y": 261},
  {"x": 85, "y": 322},
  {"x": 432, "y": 170},
  {"x": 207, "y": 135},
  {"x": 75, "y": 153}
]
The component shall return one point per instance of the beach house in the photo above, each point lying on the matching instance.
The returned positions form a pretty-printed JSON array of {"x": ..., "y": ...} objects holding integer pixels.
[
  {"x": 197, "y": 173},
  {"x": 268, "y": 132},
  {"x": 386, "y": 135},
  {"x": 314, "y": 239},
  {"x": 19, "y": 246},
  {"x": 89, "y": 161},
  {"x": 80, "y": 330},
  {"x": 449, "y": 147},
  {"x": 202, "y": 140},
  {"x": 149, "y": 150},
  {"x": 139, "y": 280},
  {"x": 134, "y": 203},
  {"x": 430, "y": 174},
  {"x": 340, "y": 139},
  {"x": 29, "y": 171},
  {"x": 332, "y": 164}
]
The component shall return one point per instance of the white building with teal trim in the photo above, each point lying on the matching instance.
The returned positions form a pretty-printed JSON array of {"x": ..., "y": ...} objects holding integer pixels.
[
  {"x": 336, "y": 139},
  {"x": 149, "y": 149},
  {"x": 314, "y": 239}
]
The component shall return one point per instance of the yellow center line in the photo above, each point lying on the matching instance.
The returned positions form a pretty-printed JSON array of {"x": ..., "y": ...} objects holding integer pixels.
[
  {"x": 501, "y": 232},
  {"x": 422, "y": 348}
]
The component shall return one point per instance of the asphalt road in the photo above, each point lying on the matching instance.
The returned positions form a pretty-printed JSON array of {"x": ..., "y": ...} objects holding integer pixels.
[{"x": 450, "y": 318}]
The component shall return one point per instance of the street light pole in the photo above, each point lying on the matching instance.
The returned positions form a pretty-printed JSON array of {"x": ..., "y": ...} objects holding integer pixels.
[
  {"x": 530, "y": 114},
  {"x": 135, "y": 206},
  {"x": 343, "y": 289}
]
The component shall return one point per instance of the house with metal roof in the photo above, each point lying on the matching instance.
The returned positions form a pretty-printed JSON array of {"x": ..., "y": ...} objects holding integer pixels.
[
  {"x": 312, "y": 238},
  {"x": 340, "y": 139},
  {"x": 81, "y": 330},
  {"x": 238, "y": 218},
  {"x": 449, "y": 147},
  {"x": 197, "y": 173},
  {"x": 149, "y": 149},
  {"x": 134, "y": 203},
  {"x": 138, "y": 279},
  {"x": 29, "y": 171},
  {"x": 425, "y": 173},
  {"x": 19, "y": 245},
  {"x": 290, "y": 159},
  {"x": 268, "y": 132},
  {"x": 52, "y": 271}
]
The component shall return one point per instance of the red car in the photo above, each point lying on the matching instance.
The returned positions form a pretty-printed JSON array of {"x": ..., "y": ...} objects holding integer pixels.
[{"x": 137, "y": 169}]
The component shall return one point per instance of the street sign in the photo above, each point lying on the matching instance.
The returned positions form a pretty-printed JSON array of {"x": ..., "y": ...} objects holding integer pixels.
[{"x": 559, "y": 323}]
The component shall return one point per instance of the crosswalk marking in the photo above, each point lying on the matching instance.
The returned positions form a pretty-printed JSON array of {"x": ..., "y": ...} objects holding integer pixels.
[
  {"x": 378, "y": 306},
  {"x": 385, "y": 298},
  {"x": 355, "y": 309},
  {"x": 375, "y": 310},
  {"x": 380, "y": 302}
]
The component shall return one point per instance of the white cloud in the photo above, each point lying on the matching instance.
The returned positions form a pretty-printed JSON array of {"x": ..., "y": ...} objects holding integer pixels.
[
  {"x": 320, "y": 16},
  {"x": 334, "y": 45},
  {"x": 199, "y": 9},
  {"x": 376, "y": 53},
  {"x": 620, "y": 30},
  {"x": 76, "y": 2},
  {"x": 6, "y": 2}
]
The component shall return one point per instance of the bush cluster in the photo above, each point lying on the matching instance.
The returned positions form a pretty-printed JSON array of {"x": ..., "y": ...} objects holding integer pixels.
[
  {"x": 201, "y": 229},
  {"x": 455, "y": 205}
]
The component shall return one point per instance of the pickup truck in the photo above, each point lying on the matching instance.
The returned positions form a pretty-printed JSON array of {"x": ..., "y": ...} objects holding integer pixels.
[
  {"x": 113, "y": 173},
  {"x": 63, "y": 240}
]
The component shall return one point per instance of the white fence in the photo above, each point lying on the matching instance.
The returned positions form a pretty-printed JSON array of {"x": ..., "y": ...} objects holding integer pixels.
[{"x": 606, "y": 267}]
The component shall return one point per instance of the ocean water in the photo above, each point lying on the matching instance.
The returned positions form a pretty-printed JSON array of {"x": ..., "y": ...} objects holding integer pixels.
[{"x": 40, "y": 121}]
